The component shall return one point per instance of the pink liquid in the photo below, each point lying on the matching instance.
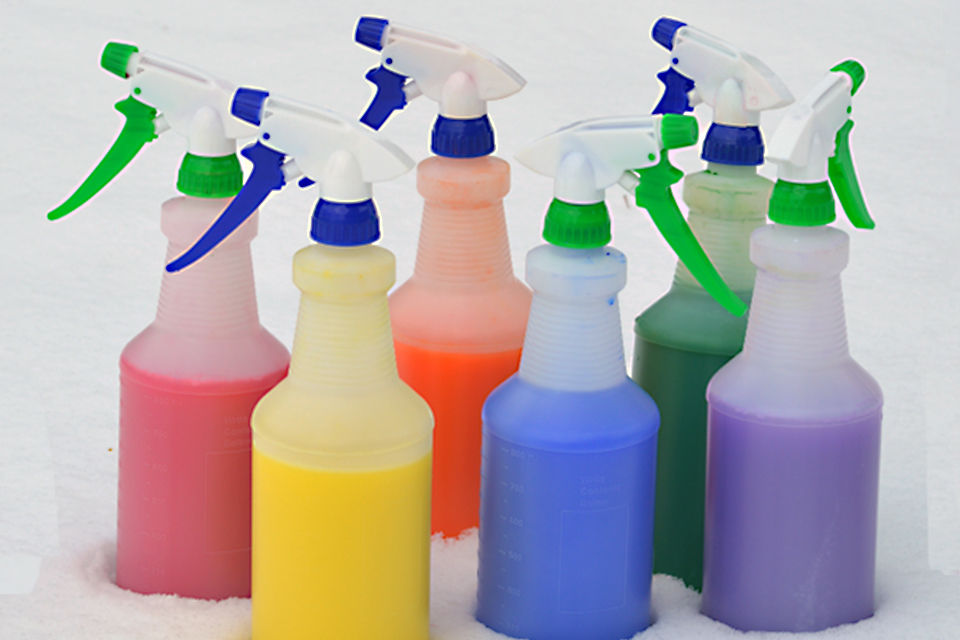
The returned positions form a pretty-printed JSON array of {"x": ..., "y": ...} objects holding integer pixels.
[{"x": 184, "y": 486}]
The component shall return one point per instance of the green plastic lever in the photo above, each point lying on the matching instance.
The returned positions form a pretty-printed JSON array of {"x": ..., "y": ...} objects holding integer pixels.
[
  {"x": 843, "y": 177},
  {"x": 138, "y": 130},
  {"x": 654, "y": 194}
]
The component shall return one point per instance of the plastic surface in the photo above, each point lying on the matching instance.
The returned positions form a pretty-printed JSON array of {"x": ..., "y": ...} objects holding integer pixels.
[
  {"x": 204, "y": 177},
  {"x": 459, "y": 322},
  {"x": 733, "y": 145},
  {"x": 681, "y": 341},
  {"x": 461, "y": 79},
  {"x": 188, "y": 384},
  {"x": 793, "y": 451},
  {"x": 339, "y": 155},
  {"x": 341, "y": 479},
  {"x": 568, "y": 469}
]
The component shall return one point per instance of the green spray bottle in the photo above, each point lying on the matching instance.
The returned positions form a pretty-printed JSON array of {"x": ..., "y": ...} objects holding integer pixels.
[{"x": 685, "y": 337}]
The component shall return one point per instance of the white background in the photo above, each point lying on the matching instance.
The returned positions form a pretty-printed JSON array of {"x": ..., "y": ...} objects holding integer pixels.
[{"x": 74, "y": 292}]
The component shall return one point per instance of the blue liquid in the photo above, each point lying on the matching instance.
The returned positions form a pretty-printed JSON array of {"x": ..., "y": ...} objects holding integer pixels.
[{"x": 566, "y": 512}]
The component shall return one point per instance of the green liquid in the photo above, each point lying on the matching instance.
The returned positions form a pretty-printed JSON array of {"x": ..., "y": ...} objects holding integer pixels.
[{"x": 682, "y": 340}]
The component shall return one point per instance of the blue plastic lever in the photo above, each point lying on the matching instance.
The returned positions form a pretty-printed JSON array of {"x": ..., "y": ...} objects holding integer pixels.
[
  {"x": 676, "y": 90},
  {"x": 389, "y": 97},
  {"x": 267, "y": 176}
]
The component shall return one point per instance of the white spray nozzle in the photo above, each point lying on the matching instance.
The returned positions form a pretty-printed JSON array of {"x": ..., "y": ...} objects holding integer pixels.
[
  {"x": 586, "y": 157},
  {"x": 735, "y": 84},
  {"x": 460, "y": 78}
]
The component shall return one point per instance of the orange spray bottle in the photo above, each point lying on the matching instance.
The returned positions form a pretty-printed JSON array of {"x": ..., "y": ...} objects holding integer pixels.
[{"x": 459, "y": 321}]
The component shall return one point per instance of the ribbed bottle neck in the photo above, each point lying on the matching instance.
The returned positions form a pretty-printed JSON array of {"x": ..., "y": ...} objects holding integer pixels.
[
  {"x": 343, "y": 345},
  {"x": 216, "y": 297},
  {"x": 573, "y": 340},
  {"x": 727, "y": 244},
  {"x": 797, "y": 322}
]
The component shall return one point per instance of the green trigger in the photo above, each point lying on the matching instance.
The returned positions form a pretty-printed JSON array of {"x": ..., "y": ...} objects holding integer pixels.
[
  {"x": 654, "y": 194},
  {"x": 843, "y": 177},
  {"x": 138, "y": 130}
]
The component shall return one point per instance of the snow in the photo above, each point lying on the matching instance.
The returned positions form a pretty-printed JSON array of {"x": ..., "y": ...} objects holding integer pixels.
[{"x": 75, "y": 292}]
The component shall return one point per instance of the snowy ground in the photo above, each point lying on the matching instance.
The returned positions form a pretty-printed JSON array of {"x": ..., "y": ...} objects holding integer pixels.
[{"x": 75, "y": 292}]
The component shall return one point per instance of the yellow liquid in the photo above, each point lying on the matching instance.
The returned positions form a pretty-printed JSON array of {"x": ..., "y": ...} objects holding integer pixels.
[{"x": 340, "y": 555}]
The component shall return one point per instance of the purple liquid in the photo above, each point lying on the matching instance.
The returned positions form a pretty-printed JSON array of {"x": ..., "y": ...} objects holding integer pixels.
[{"x": 791, "y": 521}]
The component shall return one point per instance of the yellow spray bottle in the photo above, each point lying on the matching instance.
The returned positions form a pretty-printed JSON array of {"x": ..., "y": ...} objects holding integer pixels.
[{"x": 341, "y": 447}]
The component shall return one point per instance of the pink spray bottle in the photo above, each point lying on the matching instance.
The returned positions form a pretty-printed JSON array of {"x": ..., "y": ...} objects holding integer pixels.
[{"x": 190, "y": 380}]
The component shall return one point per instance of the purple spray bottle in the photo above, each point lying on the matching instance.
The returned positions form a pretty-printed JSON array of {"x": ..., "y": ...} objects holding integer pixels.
[{"x": 793, "y": 432}]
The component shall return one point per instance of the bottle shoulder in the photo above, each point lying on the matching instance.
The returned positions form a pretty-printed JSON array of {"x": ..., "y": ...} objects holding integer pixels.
[
  {"x": 250, "y": 355},
  {"x": 612, "y": 418},
  {"x": 489, "y": 318},
  {"x": 463, "y": 182},
  {"x": 689, "y": 319},
  {"x": 761, "y": 390},
  {"x": 385, "y": 424}
]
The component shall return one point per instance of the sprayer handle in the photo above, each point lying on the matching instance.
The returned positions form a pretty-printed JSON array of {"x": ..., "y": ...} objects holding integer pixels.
[
  {"x": 389, "y": 97},
  {"x": 676, "y": 92},
  {"x": 843, "y": 177},
  {"x": 267, "y": 176},
  {"x": 653, "y": 194}
]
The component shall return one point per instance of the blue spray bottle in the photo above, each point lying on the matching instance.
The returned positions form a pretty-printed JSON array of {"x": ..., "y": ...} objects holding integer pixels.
[{"x": 569, "y": 442}]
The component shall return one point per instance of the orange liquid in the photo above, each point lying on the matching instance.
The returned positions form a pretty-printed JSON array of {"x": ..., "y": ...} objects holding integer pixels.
[{"x": 455, "y": 385}]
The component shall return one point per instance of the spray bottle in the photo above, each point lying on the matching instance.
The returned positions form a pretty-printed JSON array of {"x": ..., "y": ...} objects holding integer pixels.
[
  {"x": 569, "y": 442},
  {"x": 342, "y": 447},
  {"x": 794, "y": 423},
  {"x": 458, "y": 322},
  {"x": 684, "y": 338},
  {"x": 189, "y": 381}
]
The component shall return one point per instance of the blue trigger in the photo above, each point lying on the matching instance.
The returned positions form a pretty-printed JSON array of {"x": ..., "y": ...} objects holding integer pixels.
[
  {"x": 267, "y": 176},
  {"x": 305, "y": 182},
  {"x": 676, "y": 89},
  {"x": 389, "y": 96}
]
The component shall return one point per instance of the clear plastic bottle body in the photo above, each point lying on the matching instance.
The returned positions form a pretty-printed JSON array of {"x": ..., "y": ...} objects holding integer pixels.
[
  {"x": 569, "y": 450},
  {"x": 342, "y": 458},
  {"x": 793, "y": 451},
  {"x": 682, "y": 340},
  {"x": 459, "y": 322},
  {"x": 188, "y": 384}
]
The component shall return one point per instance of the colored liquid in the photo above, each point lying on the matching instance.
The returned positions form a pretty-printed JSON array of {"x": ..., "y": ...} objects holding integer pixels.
[
  {"x": 340, "y": 554},
  {"x": 791, "y": 517},
  {"x": 455, "y": 385},
  {"x": 184, "y": 483},
  {"x": 681, "y": 342},
  {"x": 567, "y": 508}
]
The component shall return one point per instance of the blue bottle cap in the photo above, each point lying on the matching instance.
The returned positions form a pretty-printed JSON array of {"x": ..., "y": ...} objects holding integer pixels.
[
  {"x": 469, "y": 138},
  {"x": 733, "y": 145},
  {"x": 345, "y": 224}
]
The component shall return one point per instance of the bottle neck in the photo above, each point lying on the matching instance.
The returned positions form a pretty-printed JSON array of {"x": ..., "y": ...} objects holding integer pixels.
[
  {"x": 343, "y": 339},
  {"x": 727, "y": 203},
  {"x": 216, "y": 297},
  {"x": 796, "y": 316},
  {"x": 573, "y": 340},
  {"x": 463, "y": 235}
]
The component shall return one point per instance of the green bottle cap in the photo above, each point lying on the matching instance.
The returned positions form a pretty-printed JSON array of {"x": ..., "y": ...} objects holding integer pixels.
[
  {"x": 802, "y": 204},
  {"x": 577, "y": 226},
  {"x": 116, "y": 56},
  {"x": 853, "y": 69},
  {"x": 677, "y": 131},
  {"x": 219, "y": 177}
]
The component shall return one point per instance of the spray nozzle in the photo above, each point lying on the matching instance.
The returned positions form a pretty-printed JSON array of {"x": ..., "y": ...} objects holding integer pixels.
[
  {"x": 297, "y": 139},
  {"x": 165, "y": 94},
  {"x": 735, "y": 84},
  {"x": 460, "y": 78},
  {"x": 812, "y": 144},
  {"x": 587, "y": 157}
]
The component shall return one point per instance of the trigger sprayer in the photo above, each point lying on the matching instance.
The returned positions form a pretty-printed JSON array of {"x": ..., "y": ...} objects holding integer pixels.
[
  {"x": 812, "y": 143},
  {"x": 587, "y": 157},
  {"x": 297, "y": 139},
  {"x": 735, "y": 84},
  {"x": 169, "y": 95},
  {"x": 460, "y": 78}
]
